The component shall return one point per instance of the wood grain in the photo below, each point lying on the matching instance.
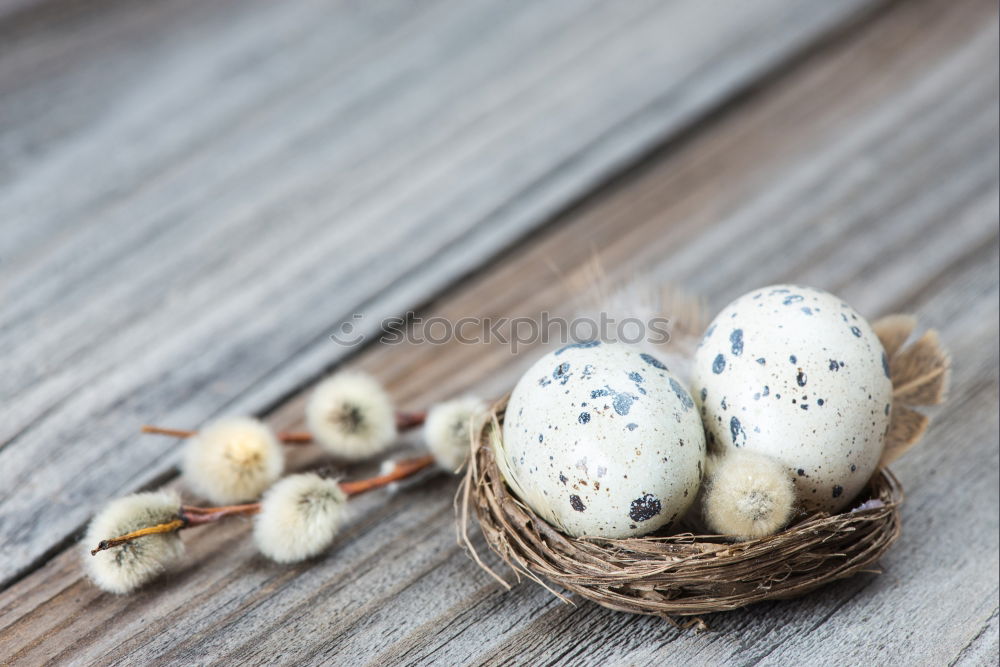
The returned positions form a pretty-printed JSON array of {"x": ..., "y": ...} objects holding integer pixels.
[
  {"x": 869, "y": 169},
  {"x": 189, "y": 192}
]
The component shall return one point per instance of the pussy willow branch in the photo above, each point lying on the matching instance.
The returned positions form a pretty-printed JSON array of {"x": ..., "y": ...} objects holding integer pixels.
[
  {"x": 404, "y": 421},
  {"x": 189, "y": 516}
]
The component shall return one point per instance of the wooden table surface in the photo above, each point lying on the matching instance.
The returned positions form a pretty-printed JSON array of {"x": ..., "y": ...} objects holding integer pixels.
[{"x": 194, "y": 195}]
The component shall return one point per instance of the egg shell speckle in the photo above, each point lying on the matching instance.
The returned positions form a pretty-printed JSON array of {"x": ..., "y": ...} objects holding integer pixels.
[
  {"x": 795, "y": 373},
  {"x": 601, "y": 439}
]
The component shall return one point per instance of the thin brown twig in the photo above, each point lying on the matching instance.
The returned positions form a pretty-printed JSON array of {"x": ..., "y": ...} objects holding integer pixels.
[
  {"x": 405, "y": 420},
  {"x": 159, "y": 529},
  {"x": 198, "y": 516},
  {"x": 401, "y": 470},
  {"x": 287, "y": 437}
]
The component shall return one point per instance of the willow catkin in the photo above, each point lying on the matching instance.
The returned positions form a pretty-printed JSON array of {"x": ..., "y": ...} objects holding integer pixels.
[
  {"x": 747, "y": 495},
  {"x": 450, "y": 427},
  {"x": 351, "y": 416},
  {"x": 125, "y": 568},
  {"x": 299, "y": 517},
  {"x": 232, "y": 460}
]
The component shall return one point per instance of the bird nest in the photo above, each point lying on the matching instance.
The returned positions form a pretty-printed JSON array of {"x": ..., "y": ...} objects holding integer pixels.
[{"x": 687, "y": 574}]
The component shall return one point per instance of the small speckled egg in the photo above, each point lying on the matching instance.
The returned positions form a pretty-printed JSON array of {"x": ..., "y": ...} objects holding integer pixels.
[
  {"x": 795, "y": 373},
  {"x": 601, "y": 439}
]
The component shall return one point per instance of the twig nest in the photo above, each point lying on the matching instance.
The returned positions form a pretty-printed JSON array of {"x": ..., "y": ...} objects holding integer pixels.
[
  {"x": 684, "y": 574},
  {"x": 299, "y": 517},
  {"x": 351, "y": 416},
  {"x": 124, "y": 568},
  {"x": 796, "y": 374},
  {"x": 232, "y": 460},
  {"x": 746, "y": 495},
  {"x": 681, "y": 574},
  {"x": 450, "y": 429},
  {"x": 602, "y": 440}
]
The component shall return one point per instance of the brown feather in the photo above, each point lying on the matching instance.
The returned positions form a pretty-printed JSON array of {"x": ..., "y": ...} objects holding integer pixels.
[
  {"x": 906, "y": 428},
  {"x": 893, "y": 330},
  {"x": 928, "y": 389},
  {"x": 917, "y": 360}
]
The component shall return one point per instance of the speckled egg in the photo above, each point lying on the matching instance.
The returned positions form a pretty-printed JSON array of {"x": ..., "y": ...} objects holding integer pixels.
[
  {"x": 601, "y": 439},
  {"x": 795, "y": 373}
]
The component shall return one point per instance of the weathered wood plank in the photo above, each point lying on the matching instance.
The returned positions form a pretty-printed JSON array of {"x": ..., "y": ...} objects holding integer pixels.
[
  {"x": 870, "y": 170},
  {"x": 189, "y": 191}
]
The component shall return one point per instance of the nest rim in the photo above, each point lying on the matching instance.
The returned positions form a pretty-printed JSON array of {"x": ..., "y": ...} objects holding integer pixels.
[{"x": 681, "y": 574}]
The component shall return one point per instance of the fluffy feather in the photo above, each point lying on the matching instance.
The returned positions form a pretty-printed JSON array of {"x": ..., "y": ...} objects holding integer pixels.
[
  {"x": 893, "y": 330},
  {"x": 299, "y": 517},
  {"x": 232, "y": 460},
  {"x": 450, "y": 427},
  {"x": 920, "y": 371},
  {"x": 125, "y": 568},
  {"x": 906, "y": 428},
  {"x": 351, "y": 416},
  {"x": 928, "y": 389},
  {"x": 642, "y": 297},
  {"x": 747, "y": 495}
]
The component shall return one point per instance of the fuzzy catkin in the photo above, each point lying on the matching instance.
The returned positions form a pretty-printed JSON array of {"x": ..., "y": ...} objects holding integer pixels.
[
  {"x": 450, "y": 426},
  {"x": 124, "y": 568},
  {"x": 747, "y": 495},
  {"x": 299, "y": 517},
  {"x": 232, "y": 460},
  {"x": 351, "y": 416}
]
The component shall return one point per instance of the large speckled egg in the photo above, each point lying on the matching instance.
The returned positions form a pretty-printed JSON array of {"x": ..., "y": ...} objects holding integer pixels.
[
  {"x": 795, "y": 373},
  {"x": 601, "y": 439}
]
